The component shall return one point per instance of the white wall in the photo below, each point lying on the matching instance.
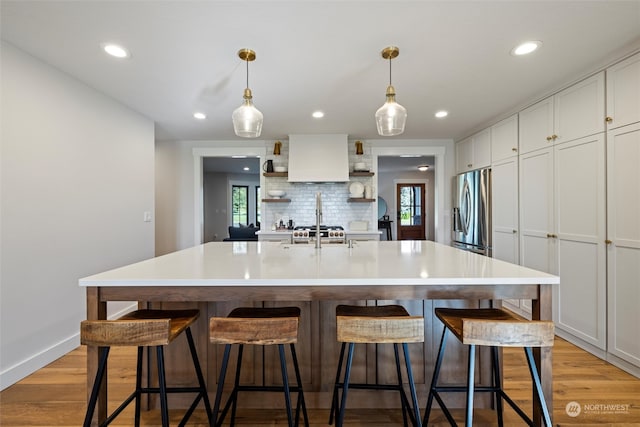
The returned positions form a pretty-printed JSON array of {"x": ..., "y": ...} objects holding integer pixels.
[{"x": 77, "y": 174}]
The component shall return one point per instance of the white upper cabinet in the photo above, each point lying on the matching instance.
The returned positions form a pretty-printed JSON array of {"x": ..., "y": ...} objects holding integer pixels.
[
  {"x": 474, "y": 152},
  {"x": 504, "y": 139},
  {"x": 573, "y": 113},
  {"x": 536, "y": 126},
  {"x": 579, "y": 110},
  {"x": 623, "y": 93}
]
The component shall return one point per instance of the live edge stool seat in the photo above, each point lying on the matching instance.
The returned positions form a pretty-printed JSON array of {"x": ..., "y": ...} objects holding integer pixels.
[
  {"x": 387, "y": 324},
  {"x": 258, "y": 326},
  {"x": 494, "y": 328},
  {"x": 144, "y": 328}
]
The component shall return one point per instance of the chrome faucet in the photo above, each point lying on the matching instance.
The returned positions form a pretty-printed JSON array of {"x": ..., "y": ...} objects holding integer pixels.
[{"x": 318, "y": 219}]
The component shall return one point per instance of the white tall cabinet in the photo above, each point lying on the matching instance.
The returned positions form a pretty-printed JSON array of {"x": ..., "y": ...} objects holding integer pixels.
[
  {"x": 623, "y": 212},
  {"x": 580, "y": 302},
  {"x": 504, "y": 195},
  {"x": 623, "y": 230}
]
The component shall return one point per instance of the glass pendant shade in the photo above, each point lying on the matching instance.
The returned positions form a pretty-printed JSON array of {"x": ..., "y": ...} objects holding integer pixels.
[
  {"x": 391, "y": 117},
  {"x": 247, "y": 119}
]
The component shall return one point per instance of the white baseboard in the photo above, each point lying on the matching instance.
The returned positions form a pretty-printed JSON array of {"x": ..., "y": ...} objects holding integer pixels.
[
  {"x": 28, "y": 366},
  {"x": 37, "y": 361}
]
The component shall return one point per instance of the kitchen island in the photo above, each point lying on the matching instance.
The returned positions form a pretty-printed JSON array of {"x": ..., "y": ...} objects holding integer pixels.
[{"x": 217, "y": 277}]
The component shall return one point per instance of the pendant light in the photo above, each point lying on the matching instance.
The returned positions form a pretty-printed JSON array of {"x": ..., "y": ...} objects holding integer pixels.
[
  {"x": 247, "y": 119},
  {"x": 391, "y": 117}
]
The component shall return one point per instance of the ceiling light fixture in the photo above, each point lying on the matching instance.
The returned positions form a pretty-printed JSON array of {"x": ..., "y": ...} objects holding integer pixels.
[
  {"x": 116, "y": 50},
  {"x": 526, "y": 47},
  {"x": 441, "y": 114},
  {"x": 391, "y": 117},
  {"x": 317, "y": 114},
  {"x": 200, "y": 116},
  {"x": 423, "y": 168},
  {"x": 247, "y": 119}
]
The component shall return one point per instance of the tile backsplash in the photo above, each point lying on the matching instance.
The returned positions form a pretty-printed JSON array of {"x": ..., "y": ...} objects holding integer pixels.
[{"x": 336, "y": 210}]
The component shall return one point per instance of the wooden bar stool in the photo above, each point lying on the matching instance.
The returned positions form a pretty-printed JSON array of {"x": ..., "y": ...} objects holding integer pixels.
[
  {"x": 389, "y": 324},
  {"x": 144, "y": 328},
  {"x": 495, "y": 328},
  {"x": 258, "y": 326}
]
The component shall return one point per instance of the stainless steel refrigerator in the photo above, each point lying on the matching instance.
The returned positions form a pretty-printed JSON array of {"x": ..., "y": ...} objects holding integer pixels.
[{"x": 472, "y": 211}]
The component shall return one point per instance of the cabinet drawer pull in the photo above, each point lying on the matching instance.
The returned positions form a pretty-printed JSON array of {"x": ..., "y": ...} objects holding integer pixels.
[
  {"x": 608, "y": 119},
  {"x": 515, "y": 231},
  {"x": 554, "y": 137},
  {"x": 514, "y": 149},
  {"x": 608, "y": 242},
  {"x": 549, "y": 138},
  {"x": 551, "y": 236},
  {"x": 469, "y": 165}
]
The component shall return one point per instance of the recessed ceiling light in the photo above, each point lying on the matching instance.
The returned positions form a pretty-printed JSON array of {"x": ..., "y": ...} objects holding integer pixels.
[
  {"x": 116, "y": 50},
  {"x": 200, "y": 116},
  {"x": 246, "y": 168},
  {"x": 526, "y": 47},
  {"x": 441, "y": 114},
  {"x": 317, "y": 114},
  {"x": 423, "y": 168}
]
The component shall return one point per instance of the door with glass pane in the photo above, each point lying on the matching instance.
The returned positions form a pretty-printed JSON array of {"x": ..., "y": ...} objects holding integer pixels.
[{"x": 411, "y": 218}]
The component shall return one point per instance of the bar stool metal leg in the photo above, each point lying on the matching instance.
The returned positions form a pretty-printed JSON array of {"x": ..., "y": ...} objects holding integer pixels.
[
  {"x": 345, "y": 386},
  {"x": 538, "y": 386},
  {"x": 138, "y": 386},
  {"x": 223, "y": 373},
  {"x": 301, "y": 404},
  {"x": 285, "y": 384},
  {"x": 334, "y": 399},
  {"x": 470, "y": 385},
  {"x": 96, "y": 387},
  {"x": 412, "y": 386},
  {"x": 163, "y": 387},
  {"x": 497, "y": 384},
  {"x": 403, "y": 403}
]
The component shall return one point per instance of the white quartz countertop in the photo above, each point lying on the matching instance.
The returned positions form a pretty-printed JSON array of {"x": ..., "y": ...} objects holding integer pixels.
[{"x": 368, "y": 263}]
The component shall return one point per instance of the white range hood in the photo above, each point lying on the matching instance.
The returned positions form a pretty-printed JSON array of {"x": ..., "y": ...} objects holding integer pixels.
[{"x": 318, "y": 158}]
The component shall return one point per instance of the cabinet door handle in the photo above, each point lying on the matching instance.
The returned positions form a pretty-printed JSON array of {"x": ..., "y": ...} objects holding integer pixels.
[
  {"x": 608, "y": 119},
  {"x": 515, "y": 231},
  {"x": 554, "y": 136},
  {"x": 549, "y": 138},
  {"x": 608, "y": 242},
  {"x": 514, "y": 149},
  {"x": 551, "y": 236},
  {"x": 469, "y": 165}
]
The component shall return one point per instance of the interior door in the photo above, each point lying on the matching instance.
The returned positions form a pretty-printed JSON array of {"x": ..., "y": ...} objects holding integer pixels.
[{"x": 411, "y": 218}]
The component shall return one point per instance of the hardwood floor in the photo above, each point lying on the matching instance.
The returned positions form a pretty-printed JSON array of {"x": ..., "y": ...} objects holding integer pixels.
[{"x": 56, "y": 395}]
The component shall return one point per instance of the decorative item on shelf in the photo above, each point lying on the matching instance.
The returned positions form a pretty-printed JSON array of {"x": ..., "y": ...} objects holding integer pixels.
[
  {"x": 280, "y": 169},
  {"x": 247, "y": 119},
  {"x": 368, "y": 192},
  {"x": 276, "y": 194},
  {"x": 360, "y": 167},
  {"x": 356, "y": 190},
  {"x": 359, "y": 150},
  {"x": 391, "y": 117},
  {"x": 268, "y": 166},
  {"x": 276, "y": 148}
]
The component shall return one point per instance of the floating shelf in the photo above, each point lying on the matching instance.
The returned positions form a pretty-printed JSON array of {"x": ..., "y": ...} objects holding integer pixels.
[
  {"x": 276, "y": 200},
  {"x": 360, "y": 200},
  {"x": 276, "y": 174},
  {"x": 361, "y": 173}
]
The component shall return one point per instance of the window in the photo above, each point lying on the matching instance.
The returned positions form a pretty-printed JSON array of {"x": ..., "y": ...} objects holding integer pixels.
[
  {"x": 240, "y": 205},
  {"x": 410, "y": 205}
]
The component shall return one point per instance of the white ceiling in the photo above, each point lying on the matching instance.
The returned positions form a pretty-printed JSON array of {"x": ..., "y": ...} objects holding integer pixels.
[{"x": 454, "y": 55}]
